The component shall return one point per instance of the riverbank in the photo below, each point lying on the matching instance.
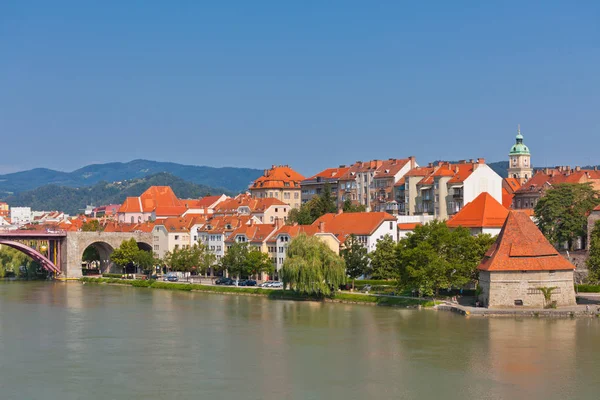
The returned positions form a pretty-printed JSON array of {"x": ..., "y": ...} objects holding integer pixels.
[
  {"x": 340, "y": 297},
  {"x": 579, "y": 310}
]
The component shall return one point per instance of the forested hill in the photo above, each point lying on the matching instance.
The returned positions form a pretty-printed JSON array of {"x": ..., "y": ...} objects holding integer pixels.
[
  {"x": 74, "y": 200},
  {"x": 233, "y": 179}
]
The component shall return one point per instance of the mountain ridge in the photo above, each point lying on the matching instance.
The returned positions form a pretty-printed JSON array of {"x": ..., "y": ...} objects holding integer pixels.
[{"x": 230, "y": 178}]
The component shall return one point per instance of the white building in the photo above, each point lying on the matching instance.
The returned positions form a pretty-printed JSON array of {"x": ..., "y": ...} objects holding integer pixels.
[
  {"x": 20, "y": 216},
  {"x": 176, "y": 233}
]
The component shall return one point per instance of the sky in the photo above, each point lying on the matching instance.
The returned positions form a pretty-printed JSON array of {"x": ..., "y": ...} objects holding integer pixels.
[{"x": 312, "y": 84}]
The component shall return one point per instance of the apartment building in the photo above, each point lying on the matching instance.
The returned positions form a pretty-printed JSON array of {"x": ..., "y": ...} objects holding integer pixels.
[
  {"x": 176, "y": 233},
  {"x": 266, "y": 210},
  {"x": 441, "y": 190},
  {"x": 315, "y": 185},
  {"x": 371, "y": 183},
  {"x": 280, "y": 182},
  {"x": 157, "y": 202},
  {"x": 217, "y": 229}
]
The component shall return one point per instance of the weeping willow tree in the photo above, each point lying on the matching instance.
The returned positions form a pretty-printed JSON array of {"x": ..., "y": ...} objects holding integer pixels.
[{"x": 311, "y": 267}]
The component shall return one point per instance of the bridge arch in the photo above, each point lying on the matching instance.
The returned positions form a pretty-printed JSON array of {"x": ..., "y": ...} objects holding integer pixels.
[
  {"x": 33, "y": 253},
  {"x": 104, "y": 251}
]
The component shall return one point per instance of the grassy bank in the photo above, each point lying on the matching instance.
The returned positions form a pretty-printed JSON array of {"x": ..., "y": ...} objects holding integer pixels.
[{"x": 272, "y": 294}]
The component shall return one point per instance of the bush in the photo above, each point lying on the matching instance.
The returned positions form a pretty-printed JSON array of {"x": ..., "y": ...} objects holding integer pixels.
[{"x": 587, "y": 288}]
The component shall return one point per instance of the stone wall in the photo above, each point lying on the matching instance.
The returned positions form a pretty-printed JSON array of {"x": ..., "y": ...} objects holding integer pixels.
[
  {"x": 76, "y": 242},
  {"x": 501, "y": 289}
]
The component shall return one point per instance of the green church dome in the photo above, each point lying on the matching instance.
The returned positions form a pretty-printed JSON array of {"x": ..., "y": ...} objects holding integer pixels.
[{"x": 519, "y": 148}]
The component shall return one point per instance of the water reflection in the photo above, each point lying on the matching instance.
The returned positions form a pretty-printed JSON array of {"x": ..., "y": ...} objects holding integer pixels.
[{"x": 62, "y": 341}]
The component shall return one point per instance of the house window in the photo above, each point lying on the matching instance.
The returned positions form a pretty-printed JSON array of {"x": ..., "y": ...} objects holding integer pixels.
[
  {"x": 296, "y": 195},
  {"x": 176, "y": 237},
  {"x": 281, "y": 249},
  {"x": 391, "y": 225}
]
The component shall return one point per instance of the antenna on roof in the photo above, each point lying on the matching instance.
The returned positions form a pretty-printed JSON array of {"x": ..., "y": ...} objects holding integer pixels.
[{"x": 519, "y": 128}]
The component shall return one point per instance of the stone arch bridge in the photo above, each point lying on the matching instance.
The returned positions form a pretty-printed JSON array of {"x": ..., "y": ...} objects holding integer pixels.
[
  {"x": 64, "y": 250},
  {"x": 105, "y": 242}
]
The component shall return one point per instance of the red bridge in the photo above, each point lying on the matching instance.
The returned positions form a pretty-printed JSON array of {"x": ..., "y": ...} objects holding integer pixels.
[{"x": 44, "y": 247}]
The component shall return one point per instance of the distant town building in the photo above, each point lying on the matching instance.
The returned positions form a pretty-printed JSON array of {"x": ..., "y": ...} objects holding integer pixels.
[
  {"x": 519, "y": 160},
  {"x": 158, "y": 202},
  {"x": 279, "y": 182},
  {"x": 4, "y": 209},
  {"x": 531, "y": 191},
  {"x": 21, "y": 215},
  {"x": 482, "y": 215},
  {"x": 315, "y": 185},
  {"x": 509, "y": 187},
  {"x": 205, "y": 205},
  {"x": 520, "y": 265},
  {"x": 266, "y": 210},
  {"x": 176, "y": 233}
]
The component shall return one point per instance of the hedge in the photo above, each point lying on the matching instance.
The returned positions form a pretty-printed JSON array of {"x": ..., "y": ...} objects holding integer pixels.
[
  {"x": 112, "y": 275},
  {"x": 587, "y": 288}
]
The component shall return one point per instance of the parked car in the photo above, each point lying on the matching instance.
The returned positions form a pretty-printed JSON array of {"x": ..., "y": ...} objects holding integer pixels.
[
  {"x": 266, "y": 283},
  {"x": 241, "y": 282},
  {"x": 276, "y": 285},
  {"x": 171, "y": 278},
  {"x": 250, "y": 282},
  {"x": 224, "y": 281}
]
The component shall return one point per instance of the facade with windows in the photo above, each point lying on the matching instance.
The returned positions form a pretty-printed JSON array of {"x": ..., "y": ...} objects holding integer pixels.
[
  {"x": 176, "y": 233},
  {"x": 279, "y": 182}
]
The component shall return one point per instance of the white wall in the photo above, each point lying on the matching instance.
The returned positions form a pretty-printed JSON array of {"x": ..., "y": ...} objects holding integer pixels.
[
  {"x": 483, "y": 179},
  {"x": 380, "y": 232},
  {"x": 20, "y": 215}
]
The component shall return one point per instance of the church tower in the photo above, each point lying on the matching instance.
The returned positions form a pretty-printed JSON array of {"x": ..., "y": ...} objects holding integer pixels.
[{"x": 519, "y": 162}]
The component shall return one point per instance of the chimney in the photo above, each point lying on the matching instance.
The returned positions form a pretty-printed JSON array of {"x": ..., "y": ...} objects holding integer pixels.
[
  {"x": 322, "y": 226},
  {"x": 413, "y": 161},
  {"x": 278, "y": 222},
  {"x": 472, "y": 161},
  {"x": 340, "y": 211},
  {"x": 578, "y": 168},
  {"x": 250, "y": 222},
  {"x": 462, "y": 161},
  {"x": 342, "y": 166},
  {"x": 481, "y": 160},
  {"x": 295, "y": 224}
]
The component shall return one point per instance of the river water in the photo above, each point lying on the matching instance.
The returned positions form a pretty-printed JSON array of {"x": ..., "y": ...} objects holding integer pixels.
[{"x": 72, "y": 341}]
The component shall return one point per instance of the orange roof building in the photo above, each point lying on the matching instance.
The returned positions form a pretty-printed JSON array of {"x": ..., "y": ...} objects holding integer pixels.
[
  {"x": 482, "y": 215},
  {"x": 368, "y": 227},
  {"x": 280, "y": 182},
  {"x": 176, "y": 233},
  {"x": 157, "y": 202},
  {"x": 520, "y": 264}
]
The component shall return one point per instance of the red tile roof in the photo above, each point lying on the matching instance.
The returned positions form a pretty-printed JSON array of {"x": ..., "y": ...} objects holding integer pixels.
[
  {"x": 483, "y": 212},
  {"x": 112, "y": 226},
  {"x": 597, "y": 208},
  {"x": 513, "y": 183},
  {"x": 507, "y": 198},
  {"x": 360, "y": 223},
  {"x": 160, "y": 199},
  {"x": 182, "y": 224},
  {"x": 256, "y": 205},
  {"x": 255, "y": 233},
  {"x": 522, "y": 247},
  {"x": 330, "y": 173},
  {"x": 294, "y": 230},
  {"x": 278, "y": 177},
  {"x": 389, "y": 168}
]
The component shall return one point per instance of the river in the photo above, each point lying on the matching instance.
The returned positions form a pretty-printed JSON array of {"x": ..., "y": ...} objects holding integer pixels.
[{"x": 71, "y": 341}]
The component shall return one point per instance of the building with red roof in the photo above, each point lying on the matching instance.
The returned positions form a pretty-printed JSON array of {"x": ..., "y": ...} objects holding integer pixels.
[
  {"x": 266, "y": 210},
  {"x": 315, "y": 185},
  {"x": 519, "y": 263},
  {"x": 442, "y": 189},
  {"x": 280, "y": 182},
  {"x": 157, "y": 202},
  {"x": 368, "y": 227},
  {"x": 531, "y": 191},
  {"x": 482, "y": 215},
  {"x": 206, "y": 205},
  {"x": 176, "y": 233},
  {"x": 371, "y": 183},
  {"x": 218, "y": 228}
]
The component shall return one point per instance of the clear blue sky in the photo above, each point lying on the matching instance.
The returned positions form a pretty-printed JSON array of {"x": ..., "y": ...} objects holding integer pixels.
[{"x": 309, "y": 83}]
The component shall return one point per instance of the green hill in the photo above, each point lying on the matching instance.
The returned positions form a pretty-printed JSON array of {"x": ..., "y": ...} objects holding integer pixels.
[{"x": 74, "y": 200}]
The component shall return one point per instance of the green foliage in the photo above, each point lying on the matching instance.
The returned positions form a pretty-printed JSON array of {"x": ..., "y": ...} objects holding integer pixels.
[
  {"x": 257, "y": 262},
  {"x": 311, "y": 267},
  {"x": 562, "y": 213},
  {"x": 235, "y": 259},
  {"x": 384, "y": 259},
  {"x": 587, "y": 288},
  {"x": 435, "y": 257},
  {"x": 15, "y": 263},
  {"x": 355, "y": 256},
  {"x": 349, "y": 207},
  {"x": 91, "y": 226},
  {"x": 310, "y": 211},
  {"x": 126, "y": 253},
  {"x": 112, "y": 275},
  {"x": 593, "y": 261},
  {"x": 90, "y": 254}
]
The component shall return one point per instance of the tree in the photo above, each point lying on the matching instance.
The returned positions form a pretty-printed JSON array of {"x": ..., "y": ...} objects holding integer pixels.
[
  {"x": 325, "y": 202},
  {"x": 184, "y": 259},
  {"x": 257, "y": 262},
  {"x": 126, "y": 253},
  {"x": 355, "y": 256},
  {"x": 562, "y": 213},
  {"x": 302, "y": 215},
  {"x": 311, "y": 267},
  {"x": 145, "y": 260},
  {"x": 310, "y": 211},
  {"x": 349, "y": 207},
  {"x": 235, "y": 259},
  {"x": 435, "y": 257},
  {"x": 593, "y": 261},
  {"x": 91, "y": 226},
  {"x": 90, "y": 254},
  {"x": 384, "y": 259},
  {"x": 206, "y": 259}
]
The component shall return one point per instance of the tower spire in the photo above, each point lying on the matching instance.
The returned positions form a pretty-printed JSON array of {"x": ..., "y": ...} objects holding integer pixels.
[{"x": 519, "y": 129}]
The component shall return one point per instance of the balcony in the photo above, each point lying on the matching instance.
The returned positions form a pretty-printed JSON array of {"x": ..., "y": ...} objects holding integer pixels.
[{"x": 454, "y": 207}]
